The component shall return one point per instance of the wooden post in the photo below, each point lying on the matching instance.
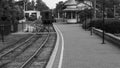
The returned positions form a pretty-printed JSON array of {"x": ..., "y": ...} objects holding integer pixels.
[{"x": 2, "y": 33}]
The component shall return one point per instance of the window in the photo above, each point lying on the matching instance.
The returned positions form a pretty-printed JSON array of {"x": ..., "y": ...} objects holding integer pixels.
[
  {"x": 68, "y": 15},
  {"x": 73, "y": 14}
]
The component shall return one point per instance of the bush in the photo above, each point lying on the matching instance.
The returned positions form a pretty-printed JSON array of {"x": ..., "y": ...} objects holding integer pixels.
[
  {"x": 86, "y": 24},
  {"x": 110, "y": 25},
  {"x": 5, "y": 27}
]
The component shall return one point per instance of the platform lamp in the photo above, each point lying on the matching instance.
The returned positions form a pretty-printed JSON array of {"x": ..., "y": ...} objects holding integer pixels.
[
  {"x": 85, "y": 22},
  {"x": 92, "y": 14},
  {"x": 91, "y": 25}
]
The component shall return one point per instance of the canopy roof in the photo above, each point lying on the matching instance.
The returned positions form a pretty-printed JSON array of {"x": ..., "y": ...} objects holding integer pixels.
[
  {"x": 75, "y": 9},
  {"x": 71, "y": 2}
]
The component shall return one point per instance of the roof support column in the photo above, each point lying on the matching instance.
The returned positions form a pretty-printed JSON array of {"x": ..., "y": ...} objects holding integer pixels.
[{"x": 71, "y": 15}]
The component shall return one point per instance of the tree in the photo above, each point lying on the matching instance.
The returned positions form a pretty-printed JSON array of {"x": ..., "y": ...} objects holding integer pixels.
[
  {"x": 108, "y": 4},
  {"x": 59, "y": 8},
  {"x": 40, "y": 6},
  {"x": 31, "y": 5},
  {"x": 86, "y": 14},
  {"x": 10, "y": 13}
]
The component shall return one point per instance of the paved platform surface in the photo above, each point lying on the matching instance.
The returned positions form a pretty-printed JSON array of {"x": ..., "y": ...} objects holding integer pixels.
[{"x": 81, "y": 50}]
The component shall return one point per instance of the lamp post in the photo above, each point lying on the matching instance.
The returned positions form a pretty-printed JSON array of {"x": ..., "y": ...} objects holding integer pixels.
[
  {"x": 103, "y": 33},
  {"x": 93, "y": 10},
  {"x": 85, "y": 22},
  {"x": 91, "y": 25}
]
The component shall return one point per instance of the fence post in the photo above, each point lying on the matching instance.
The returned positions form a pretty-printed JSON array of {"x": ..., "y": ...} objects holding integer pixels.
[{"x": 2, "y": 32}]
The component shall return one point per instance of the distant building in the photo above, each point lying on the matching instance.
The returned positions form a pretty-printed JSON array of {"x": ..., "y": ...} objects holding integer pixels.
[
  {"x": 70, "y": 13},
  {"x": 29, "y": 13}
]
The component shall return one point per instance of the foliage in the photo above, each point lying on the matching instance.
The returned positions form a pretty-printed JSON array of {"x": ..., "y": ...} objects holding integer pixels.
[
  {"x": 31, "y": 5},
  {"x": 110, "y": 13},
  {"x": 110, "y": 25},
  {"x": 9, "y": 14},
  {"x": 86, "y": 24},
  {"x": 108, "y": 3},
  {"x": 5, "y": 10},
  {"x": 10, "y": 11},
  {"x": 108, "y": 6},
  {"x": 40, "y": 6},
  {"x": 86, "y": 14},
  {"x": 59, "y": 8}
]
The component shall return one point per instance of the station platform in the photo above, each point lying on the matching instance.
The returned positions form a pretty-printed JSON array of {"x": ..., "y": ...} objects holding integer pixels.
[{"x": 81, "y": 50}]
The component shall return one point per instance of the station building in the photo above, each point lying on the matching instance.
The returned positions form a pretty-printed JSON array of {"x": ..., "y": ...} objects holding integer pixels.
[
  {"x": 72, "y": 10},
  {"x": 29, "y": 27},
  {"x": 36, "y": 13}
]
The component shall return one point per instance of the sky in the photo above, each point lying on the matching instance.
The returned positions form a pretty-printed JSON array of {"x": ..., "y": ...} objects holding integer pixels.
[{"x": 52, "y": 3}]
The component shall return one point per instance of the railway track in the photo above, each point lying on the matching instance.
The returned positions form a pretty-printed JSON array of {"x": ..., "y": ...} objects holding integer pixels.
[
  {"x": 31, "y": 59},
  {"x": 14, "y": 44},
  {"x": 26, "y": 56},
  {"x": 43, "y": 57},
  {"x": 23, "y": 55},
  {"x": 25, "y": 50},
  {"x": 11, "y": 54}
]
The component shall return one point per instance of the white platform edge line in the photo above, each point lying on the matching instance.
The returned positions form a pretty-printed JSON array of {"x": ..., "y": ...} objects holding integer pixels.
[
  {"x": 52, "y": 58},
  {"x": 62, "y": 50}
]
